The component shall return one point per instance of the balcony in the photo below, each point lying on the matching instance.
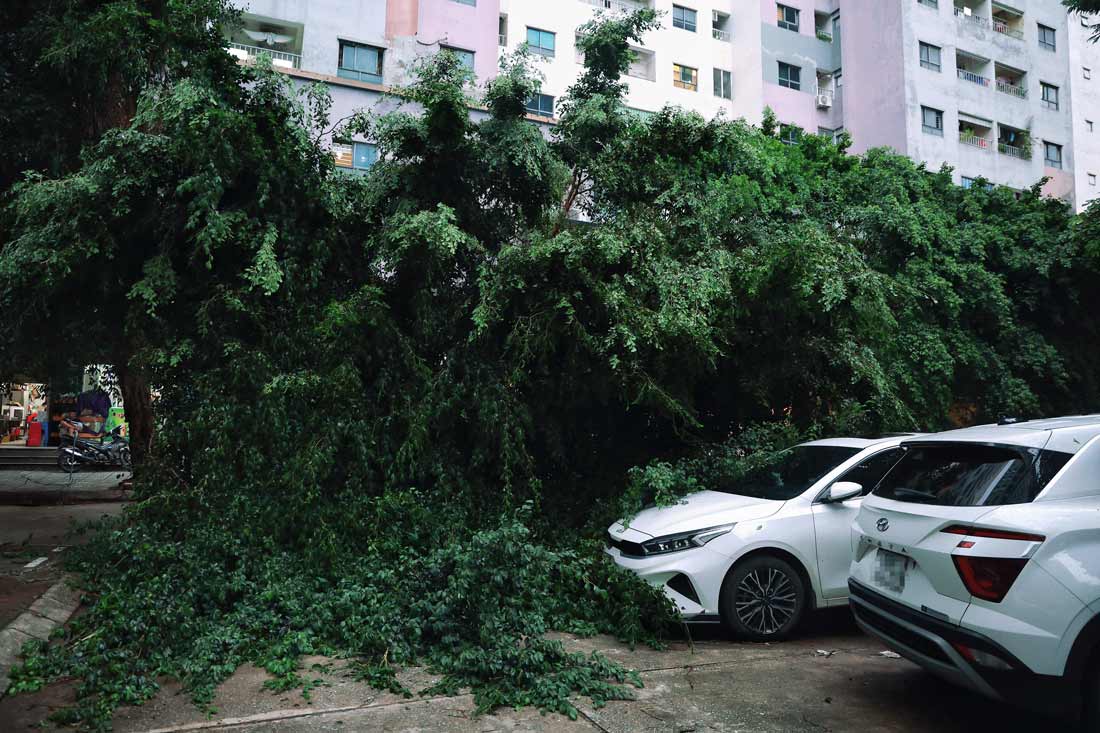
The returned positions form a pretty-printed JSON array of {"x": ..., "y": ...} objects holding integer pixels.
[
  {"x": 974, "y": 140},
  {"x": 1010, "y": 81},
  {"x": 278, "y": 58},
  {"x": 1008, "y": 21},
  {"x": 720, "y": 26},
  {"x": 625, "y": 6},
  {"x": 279, "y": 40},
  {"x": 967, "y": 15},
  {"x": 1013, "y": 151},
  {"x": 1001, "y": 27},
  {"x": 973, "y": 78}
]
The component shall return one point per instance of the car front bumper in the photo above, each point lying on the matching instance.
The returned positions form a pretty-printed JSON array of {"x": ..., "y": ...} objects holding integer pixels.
[
  {"x": 932, "y": 644},
  {"x": 691, "y": 578}
]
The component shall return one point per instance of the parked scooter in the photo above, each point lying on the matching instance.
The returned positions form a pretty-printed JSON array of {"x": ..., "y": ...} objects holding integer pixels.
[{"x": 75, "y": 451}]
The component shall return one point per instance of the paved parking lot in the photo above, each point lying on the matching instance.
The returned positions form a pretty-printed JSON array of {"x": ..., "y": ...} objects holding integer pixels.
[{"x": 720, "y": 686}]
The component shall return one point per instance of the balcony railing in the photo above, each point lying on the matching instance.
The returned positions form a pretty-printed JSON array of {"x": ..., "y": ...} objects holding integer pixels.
[
  {"x": 1013, "y": 151},
  {"x": 626, "y": 6},
  {"x": 976, "y": 19},
  {"x": 969, "y": 138},
  {"x": 1013, "y": 89},
  {"x": 1001, "y": 27},
  {"x": 720, "y": 35},
  {"x": 278, "y": 58},
  {"x": 972, "y": 77}
]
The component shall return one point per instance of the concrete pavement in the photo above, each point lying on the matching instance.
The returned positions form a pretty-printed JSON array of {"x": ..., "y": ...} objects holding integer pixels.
[
  {"x": 30, "y": 487},
  {"x": 718, "y": 686}
]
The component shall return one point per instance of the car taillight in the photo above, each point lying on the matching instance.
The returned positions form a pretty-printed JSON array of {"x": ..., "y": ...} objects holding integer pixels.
[
  {"x": 988, "y": 578},
  {"x": 994, "y": 534}
]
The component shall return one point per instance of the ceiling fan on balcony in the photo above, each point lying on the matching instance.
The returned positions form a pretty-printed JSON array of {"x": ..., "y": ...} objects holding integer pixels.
[{"x": 268, "y": 37}]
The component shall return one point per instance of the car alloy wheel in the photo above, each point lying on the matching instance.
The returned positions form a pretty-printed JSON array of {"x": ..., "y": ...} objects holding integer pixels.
[
  {"x": 762, "y": 599},
  {"x": 765, "y": 600}
]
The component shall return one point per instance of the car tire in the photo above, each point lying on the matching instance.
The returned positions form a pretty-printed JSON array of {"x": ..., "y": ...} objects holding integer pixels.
[{"x": 762, "y": 599}]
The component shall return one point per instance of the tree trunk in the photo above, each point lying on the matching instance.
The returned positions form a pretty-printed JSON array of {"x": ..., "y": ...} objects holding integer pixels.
[{"x": 138, "y": 403}]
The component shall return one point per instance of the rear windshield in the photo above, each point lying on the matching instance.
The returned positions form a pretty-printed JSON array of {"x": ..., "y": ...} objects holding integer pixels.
[
  {"x": 794, "y": 471},
  {"x": 970, "y": 475}
]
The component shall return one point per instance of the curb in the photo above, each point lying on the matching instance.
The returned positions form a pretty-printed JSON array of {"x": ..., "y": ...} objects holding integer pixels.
[
  {"x": 51, "y": 497},
  {"x": 52, "y": 609}
]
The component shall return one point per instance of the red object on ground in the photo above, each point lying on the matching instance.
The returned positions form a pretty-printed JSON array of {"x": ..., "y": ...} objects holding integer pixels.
[{"x": 34, "y": 434}]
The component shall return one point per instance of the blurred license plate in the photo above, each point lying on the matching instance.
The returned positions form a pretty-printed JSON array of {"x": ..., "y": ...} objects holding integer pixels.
[{"x": 890, "y": 570}]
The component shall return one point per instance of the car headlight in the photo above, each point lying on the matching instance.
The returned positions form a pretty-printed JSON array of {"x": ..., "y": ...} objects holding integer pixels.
[{"x": 684, "y": 540}]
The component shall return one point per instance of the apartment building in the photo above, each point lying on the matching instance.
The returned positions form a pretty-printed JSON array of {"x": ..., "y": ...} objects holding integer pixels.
[{"x": 1001, "y": 92}]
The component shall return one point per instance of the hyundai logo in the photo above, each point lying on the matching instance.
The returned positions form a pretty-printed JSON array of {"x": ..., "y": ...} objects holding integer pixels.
[{"x": 882, "y": 524}]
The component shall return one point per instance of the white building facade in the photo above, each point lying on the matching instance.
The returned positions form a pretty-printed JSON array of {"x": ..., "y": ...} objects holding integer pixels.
[{"x": 1001, "y": 92}]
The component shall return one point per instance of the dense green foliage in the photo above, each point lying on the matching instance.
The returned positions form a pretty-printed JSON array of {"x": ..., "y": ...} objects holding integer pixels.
[{"x": 392, "y": 403}]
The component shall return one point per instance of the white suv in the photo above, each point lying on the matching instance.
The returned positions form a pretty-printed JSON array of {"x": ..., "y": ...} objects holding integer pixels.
[
  {"x": 977, "y": 556},
  {"x": 758, "y": 553}
]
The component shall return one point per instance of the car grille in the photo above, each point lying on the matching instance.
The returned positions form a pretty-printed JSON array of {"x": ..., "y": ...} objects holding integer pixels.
[{"x": 630, "y": 549}]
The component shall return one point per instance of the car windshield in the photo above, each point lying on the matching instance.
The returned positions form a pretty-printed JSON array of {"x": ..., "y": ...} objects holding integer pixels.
[
  {"x": 970, "y": 475},
  {"x": 796, "y": 470}
]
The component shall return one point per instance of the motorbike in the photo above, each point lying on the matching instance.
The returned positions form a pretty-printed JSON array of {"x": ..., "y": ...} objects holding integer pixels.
[{"x": 75, "y": 451}]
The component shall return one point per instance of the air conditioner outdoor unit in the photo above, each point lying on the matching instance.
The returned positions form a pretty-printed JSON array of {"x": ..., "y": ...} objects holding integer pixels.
[{"x": 825, "y": 100}]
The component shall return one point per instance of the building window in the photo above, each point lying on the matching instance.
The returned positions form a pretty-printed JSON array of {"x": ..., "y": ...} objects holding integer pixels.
[
  {"x": 1050, "y": 95},
  {"x": 1092, "y": 179},
  {"x": 786, "y": 17},
  {"x": 541, "y": 104},
  {"x": 789, "y": 134},
  {"x": 971, "y": 182},
  {"x": 930, "y": 56},
  {"x": 360, "y": 62},
  {"x": 1086, "y": 72},
  {"x": 723, "y": 84},
  {"x": 540, "y": 42},
  {"x": 472, "y": 3},
  {"x": 790, "y": 76},
  {"x": 466, "y": 58},
  {"x": 932, "y": 121},
  {"x": 354, "y": 156},
  {"x": 684, "y": 18},
  {"x": 929, "y": 3},
  {"x": 1046, "y": 38},
  {"x": 685, "y": 77},
  {"x": 1052, "y": 155}
]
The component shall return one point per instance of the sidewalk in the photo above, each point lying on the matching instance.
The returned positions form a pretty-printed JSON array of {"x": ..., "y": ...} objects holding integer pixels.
[{"x": 30, "y": 487}]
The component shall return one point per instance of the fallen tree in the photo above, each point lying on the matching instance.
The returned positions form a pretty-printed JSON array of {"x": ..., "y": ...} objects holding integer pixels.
[{"x": 401, "y": 407}]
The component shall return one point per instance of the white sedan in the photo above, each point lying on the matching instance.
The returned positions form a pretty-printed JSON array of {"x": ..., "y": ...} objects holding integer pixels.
[{"x": 758, "y": 553}]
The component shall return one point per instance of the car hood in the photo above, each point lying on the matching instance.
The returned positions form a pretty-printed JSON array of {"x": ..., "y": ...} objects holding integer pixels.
[{"x": 697, "y": 511}]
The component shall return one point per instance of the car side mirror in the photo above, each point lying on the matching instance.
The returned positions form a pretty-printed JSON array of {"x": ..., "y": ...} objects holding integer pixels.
[{"x": 843, "y": 491}]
